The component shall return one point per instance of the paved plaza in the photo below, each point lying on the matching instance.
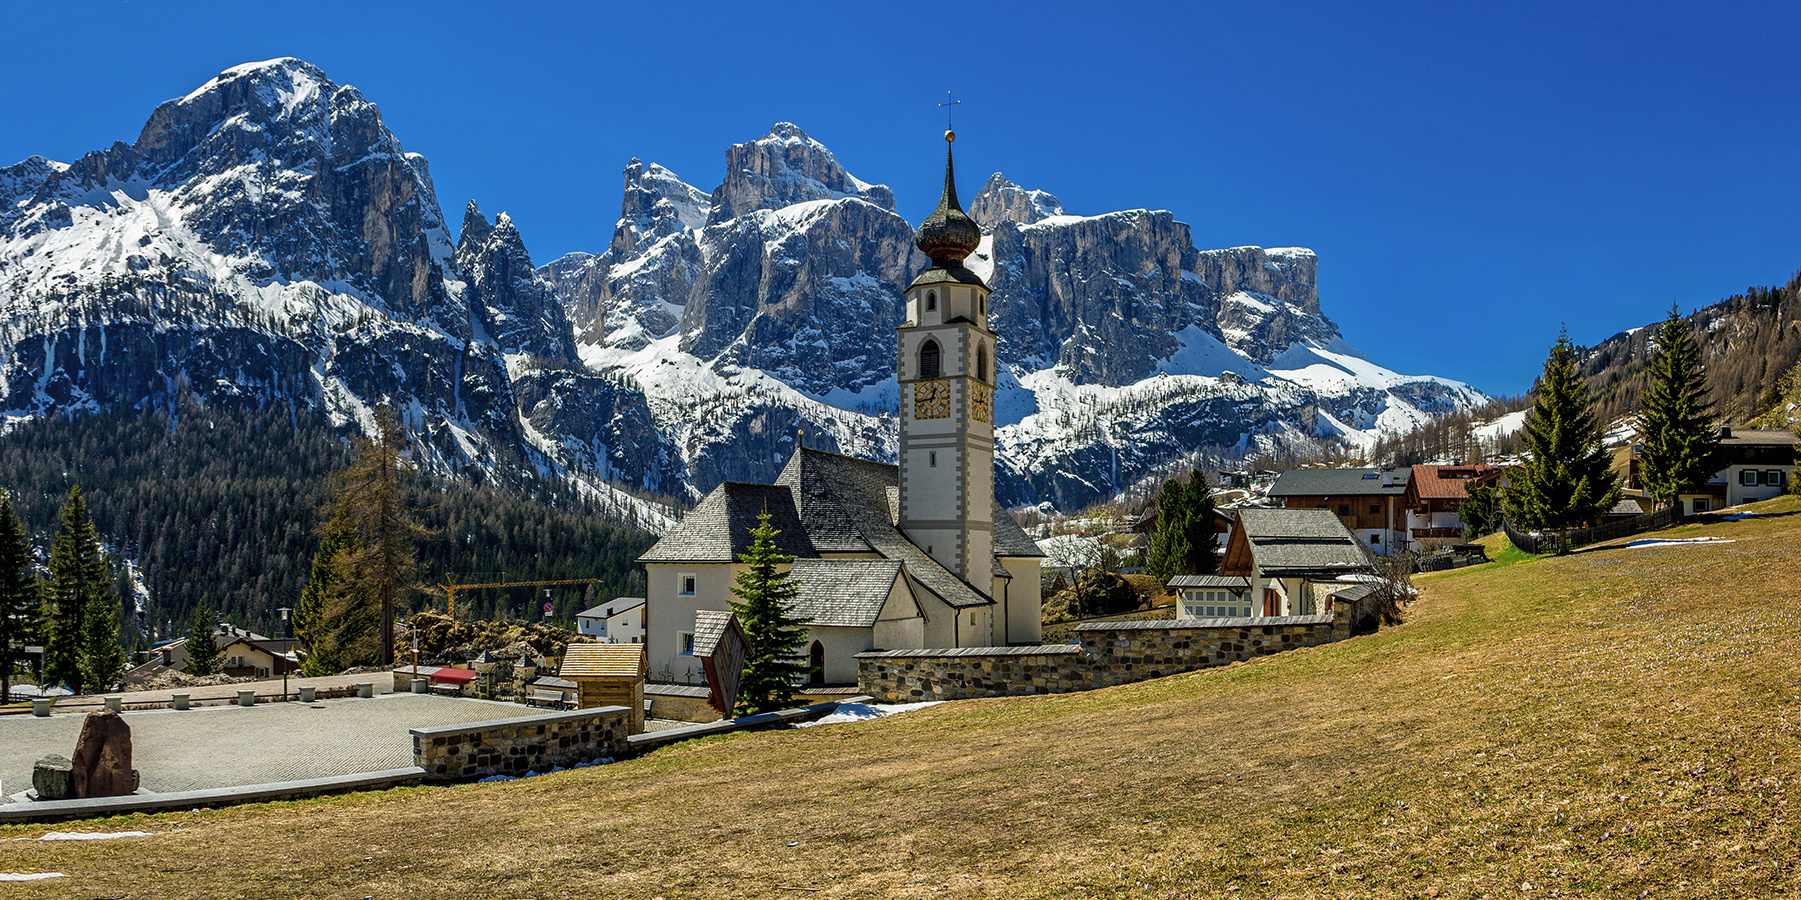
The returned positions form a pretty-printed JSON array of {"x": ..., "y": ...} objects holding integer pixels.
[{"x": 223, "y": 746}]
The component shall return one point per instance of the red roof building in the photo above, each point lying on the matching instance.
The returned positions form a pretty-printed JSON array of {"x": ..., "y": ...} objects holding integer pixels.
[{"x": 1433, "y": 499}]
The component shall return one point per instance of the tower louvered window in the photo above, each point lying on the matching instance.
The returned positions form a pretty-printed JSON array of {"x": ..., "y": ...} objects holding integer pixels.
[{"x": 928, "y": 359}]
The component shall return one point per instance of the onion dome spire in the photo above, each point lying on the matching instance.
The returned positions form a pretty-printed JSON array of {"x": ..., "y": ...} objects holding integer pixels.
[{"x": 948, "y": 234}]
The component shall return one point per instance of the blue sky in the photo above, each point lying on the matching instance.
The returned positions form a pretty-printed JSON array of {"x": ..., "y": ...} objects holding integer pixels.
[{"x": 1471, "y": 175}]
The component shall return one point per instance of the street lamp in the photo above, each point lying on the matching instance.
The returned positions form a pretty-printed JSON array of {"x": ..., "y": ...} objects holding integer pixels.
[{"x": 287, "y": 628}]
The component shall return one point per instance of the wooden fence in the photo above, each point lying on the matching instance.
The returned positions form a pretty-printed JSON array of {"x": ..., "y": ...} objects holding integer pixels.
[{"x": 1582, "y": 537}]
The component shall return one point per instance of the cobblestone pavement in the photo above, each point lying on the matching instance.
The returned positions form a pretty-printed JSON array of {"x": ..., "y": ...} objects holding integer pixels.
[{"x": 221, "y": 746}]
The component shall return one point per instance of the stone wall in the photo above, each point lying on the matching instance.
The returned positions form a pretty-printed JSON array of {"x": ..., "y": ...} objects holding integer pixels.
[
  {"x": 516, "y": 746},
  {"x": 1106, "y": 654},
  {"x": 682, "y": 703}
]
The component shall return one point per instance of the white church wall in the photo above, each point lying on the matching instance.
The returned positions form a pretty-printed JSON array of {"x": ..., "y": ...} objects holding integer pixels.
[
  {"x": 669, "y": 614},
  {"x": 1025, "y": 605}
]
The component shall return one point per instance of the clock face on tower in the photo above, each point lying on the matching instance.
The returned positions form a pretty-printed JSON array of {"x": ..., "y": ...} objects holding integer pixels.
[
  {"x": 931, "y": 400},
  {"x": 981, "y": 402}
]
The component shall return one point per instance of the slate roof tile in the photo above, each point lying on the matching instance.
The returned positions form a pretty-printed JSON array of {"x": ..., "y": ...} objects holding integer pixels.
[
  {"x": 843, "y": 592},
  {"x": 1342, "y": 483},
  {"x": 1297, "y": 541}
]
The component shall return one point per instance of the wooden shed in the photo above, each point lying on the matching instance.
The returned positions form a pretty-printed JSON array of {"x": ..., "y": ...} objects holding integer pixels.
[{"x": 608, "y": 675}]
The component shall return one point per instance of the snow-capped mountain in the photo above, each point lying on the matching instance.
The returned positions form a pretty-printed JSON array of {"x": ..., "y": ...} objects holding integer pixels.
[
  {"x": 1123, "y": 347},
  {"x": 267, "y": 238}
]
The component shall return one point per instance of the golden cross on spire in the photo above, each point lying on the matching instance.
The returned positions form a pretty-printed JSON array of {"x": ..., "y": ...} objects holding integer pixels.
[{"x": 946, "y": 106}]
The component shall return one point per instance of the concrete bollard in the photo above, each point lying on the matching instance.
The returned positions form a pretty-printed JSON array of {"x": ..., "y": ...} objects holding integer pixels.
[
  {"x": 421, "y": 686},
  {"x": 307, "y": 692},
  {"x": 41, "y": 706},
  {"x": 365, "y": 689},
  {"x": 179, "y": 701},
  {"x": 116, "y": 704},
  {"x": 247, "y": 698}
]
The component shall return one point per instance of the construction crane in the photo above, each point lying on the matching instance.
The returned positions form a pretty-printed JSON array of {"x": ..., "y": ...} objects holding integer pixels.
[{"x": 451, "y": 588}]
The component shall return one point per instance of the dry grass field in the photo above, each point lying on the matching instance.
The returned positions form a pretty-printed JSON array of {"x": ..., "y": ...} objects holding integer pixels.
[{"x": 1616, "y": 723}]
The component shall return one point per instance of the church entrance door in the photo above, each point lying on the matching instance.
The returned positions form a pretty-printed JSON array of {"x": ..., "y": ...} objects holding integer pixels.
[{"x": 816, "y": 665}]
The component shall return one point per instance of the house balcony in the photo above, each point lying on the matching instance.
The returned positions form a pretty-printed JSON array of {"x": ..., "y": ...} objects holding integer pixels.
[{"x": 1421, "y": 534}]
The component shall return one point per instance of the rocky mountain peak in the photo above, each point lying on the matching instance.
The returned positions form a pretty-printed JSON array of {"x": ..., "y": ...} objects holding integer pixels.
[
  {"x": 656, "y": 204},
  {"x": 240, "y": 100},
  {"x": 475, "y": 226},
  {"x": 1001, "y": 200},
  {"x": 783, "y": 168}
]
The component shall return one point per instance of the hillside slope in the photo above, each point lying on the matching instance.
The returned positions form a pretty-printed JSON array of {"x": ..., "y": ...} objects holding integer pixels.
[
  {"x": 1747, "y": 341},
  {"x": 1593, "y": 725}
]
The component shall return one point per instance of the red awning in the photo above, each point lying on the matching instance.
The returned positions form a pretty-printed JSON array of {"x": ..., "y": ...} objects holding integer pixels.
[{"x": 452, "y": 676}]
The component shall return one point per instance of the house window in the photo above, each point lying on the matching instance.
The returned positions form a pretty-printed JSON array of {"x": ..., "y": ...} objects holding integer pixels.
[
  {"x": 1747, "y": 476},
  {"x": 1375, "y": 539},
  {"x": 687, "y": 581},
  {"x": 1773, "y": 477},
  {"x": 931, "y": 300},
  {"x": 1701, "y": 504},
  {"x": 1344, "y": 509},
  {"x": 928, "y": 359},
  {"x": 684, "y": 642}
]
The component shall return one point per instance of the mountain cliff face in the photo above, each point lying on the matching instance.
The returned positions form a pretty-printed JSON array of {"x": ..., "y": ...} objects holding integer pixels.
[{"x": 267, "y": 238}]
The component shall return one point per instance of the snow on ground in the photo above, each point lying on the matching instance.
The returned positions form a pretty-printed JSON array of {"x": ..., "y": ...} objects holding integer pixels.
[
  {"x": 1500, "y": 428},
  {"x": 1675, "y": 542},
  {"x": 29, "y": 876},
  {"x": 1747, "y": 514},
  {"x": 863, "y": 712}
]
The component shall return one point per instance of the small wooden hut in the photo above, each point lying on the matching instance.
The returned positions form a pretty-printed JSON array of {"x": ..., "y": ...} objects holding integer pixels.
[{"x": 608, "y": 675}]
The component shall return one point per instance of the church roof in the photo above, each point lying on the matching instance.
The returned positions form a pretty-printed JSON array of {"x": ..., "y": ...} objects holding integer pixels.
[
  {"x": 718, "y": 528},
  {"x": 847, "y": 592},
  {"x": 860, "y": 488},
  {"x": 828, "y": 503}
]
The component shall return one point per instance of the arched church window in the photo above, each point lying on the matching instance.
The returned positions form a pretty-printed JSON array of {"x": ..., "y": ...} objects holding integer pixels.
[
  {"x": 931, "y": 300},
  {"x": 982, "y": 361},
  {"x": 928, "y": 358},
  {"x": 981, "y": 306}
]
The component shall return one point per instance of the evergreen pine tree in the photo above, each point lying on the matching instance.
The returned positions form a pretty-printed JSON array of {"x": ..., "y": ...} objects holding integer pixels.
[
  {"x": 18, "y": 595},
  {"x": 1679, "y": 443},
  {"x": 79, "y": 584},
  {"x": 765, "y": 597},
  {"x": 1565, "y": 480},
  {"x": 372, "y": 577},
  {"x": 1183, "y": 542},
  {"x": 203, "y": 646},
  {"x": 317, "y": 633},
  {"x": 102, "y": 657},
  {"x": 1478, "y": 511}
]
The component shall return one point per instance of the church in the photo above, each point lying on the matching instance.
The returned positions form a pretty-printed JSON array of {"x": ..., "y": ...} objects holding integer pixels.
[{"x": 900, "y": 556}]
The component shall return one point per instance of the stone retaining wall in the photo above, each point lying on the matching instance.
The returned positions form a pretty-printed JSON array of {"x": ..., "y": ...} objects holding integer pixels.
[
  {"x": 681, "y": 703},
  {"x": 1106, "y": 654},
  {"x": 516, "y": 746}
]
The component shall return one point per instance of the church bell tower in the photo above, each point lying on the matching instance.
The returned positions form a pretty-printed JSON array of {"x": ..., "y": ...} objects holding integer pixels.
[{"x": 946, "y": 372}]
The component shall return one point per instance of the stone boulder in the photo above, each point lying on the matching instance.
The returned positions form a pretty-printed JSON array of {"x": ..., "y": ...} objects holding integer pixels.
[
  {"x": 102, "y": 764},
  {"x": 52, "y": 777}
]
